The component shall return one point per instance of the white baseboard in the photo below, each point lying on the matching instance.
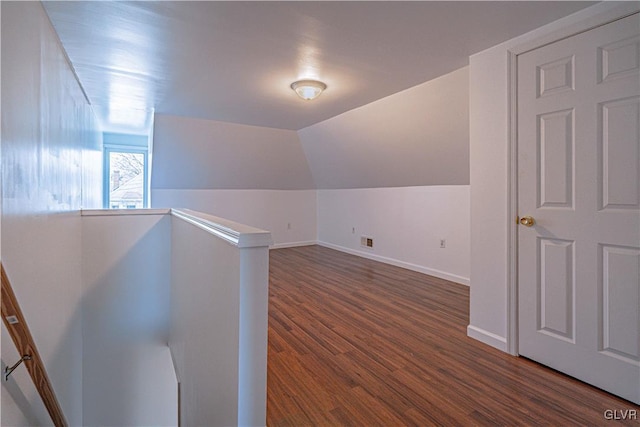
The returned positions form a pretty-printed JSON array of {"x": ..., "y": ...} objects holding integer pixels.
[
  {"x": 293, "y": 244},
  {"x": 487, "y": 337},
  {"x": 398, "y": 263}
]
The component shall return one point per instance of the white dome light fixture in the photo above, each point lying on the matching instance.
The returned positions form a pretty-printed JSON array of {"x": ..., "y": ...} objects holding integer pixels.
[{"x": 308, "y": 89}]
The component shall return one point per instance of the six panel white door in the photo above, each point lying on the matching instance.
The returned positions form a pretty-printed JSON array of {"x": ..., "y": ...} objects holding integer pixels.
[{"x": 579, "y": 177}]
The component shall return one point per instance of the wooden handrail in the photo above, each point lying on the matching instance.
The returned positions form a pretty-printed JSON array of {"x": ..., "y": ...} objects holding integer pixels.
[{"x": 25, "y": 344}]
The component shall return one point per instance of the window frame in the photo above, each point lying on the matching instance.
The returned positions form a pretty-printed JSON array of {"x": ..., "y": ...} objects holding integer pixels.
[{"x": 106, "y": 178}]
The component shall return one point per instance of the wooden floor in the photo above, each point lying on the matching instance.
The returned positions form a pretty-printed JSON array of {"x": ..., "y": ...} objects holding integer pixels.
[{"x": 353, "y": 342}]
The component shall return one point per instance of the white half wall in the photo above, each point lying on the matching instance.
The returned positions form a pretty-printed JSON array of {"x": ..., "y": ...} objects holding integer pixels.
[
  {"x": 290, "y": 215},
  {"x": 406, "y": 225},
  {"x": 128, "y": 377},
  {"x": 219, "y": 313}
]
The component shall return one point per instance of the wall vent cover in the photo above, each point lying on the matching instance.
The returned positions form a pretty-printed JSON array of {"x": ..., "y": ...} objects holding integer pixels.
[{"x": 366, "y": 242}]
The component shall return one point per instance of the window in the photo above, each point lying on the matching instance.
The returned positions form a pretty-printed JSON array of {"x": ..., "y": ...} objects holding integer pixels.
[{"x": 125, "y": 167}]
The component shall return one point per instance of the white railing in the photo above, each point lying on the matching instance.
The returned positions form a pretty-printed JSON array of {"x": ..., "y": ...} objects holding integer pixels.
[{"x": 218, "y": 332}]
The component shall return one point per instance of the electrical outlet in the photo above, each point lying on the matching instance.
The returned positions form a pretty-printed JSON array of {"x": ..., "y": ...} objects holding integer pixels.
[{"x": 443, "y": 243}]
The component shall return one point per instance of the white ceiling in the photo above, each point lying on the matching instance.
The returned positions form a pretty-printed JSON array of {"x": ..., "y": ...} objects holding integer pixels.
[{"x": 234, "y": 61}]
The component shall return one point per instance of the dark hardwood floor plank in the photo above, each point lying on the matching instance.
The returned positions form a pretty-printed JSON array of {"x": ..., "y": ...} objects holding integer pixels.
[{"x": 353, "y": 342}]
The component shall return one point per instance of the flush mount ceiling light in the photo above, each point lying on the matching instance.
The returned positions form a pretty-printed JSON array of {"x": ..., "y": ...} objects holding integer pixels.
[{"x": 308, "y": 89}]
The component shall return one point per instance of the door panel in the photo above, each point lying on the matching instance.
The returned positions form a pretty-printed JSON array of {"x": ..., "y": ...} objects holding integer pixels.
[
  {"x": 619, "y": 59},
  {"x": 556, "y": 288},
  {"x": 620, "y": 177},
  {"x": 578, "y": 176},
  {"x": 620, "y": 302},
  {"x": 555, "y": 159}
]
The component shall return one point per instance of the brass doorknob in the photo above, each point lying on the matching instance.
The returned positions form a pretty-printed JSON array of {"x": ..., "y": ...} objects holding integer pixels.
[{"x": 527, "y": 221}]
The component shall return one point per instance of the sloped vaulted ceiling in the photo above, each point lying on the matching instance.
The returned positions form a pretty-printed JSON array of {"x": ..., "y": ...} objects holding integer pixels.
[
  {"x": 415, "y": 137},
  {"x": 234, "y": 61},
  {"x": 378, "y": 123}
]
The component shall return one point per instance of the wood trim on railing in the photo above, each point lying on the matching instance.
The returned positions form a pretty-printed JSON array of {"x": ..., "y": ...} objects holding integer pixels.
[{"x": 25, "y": 344}]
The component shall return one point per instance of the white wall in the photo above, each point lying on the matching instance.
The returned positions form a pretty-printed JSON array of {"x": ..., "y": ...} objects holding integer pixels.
[
  {"x": 128, "y": 377},
  {"x": 49, "y": 170},
  {"x": 252, "y": 175},
  {"x": 397, "y": 170},
  {"x": 406, "y": 224},
  {"x": 416, "y": 137},
  {"x": 20, "y": 405},
  {"x": 489, "y": 192},
  {"x": 290, "y": 215},
  {"x": 489, "y": 153},
  {"x": 401, "y": 144},
  {"x": 204, "y": 154}
]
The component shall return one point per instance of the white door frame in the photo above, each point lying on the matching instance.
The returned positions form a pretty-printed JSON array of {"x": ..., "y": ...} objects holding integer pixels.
[{"x": 603, "y": 13}]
